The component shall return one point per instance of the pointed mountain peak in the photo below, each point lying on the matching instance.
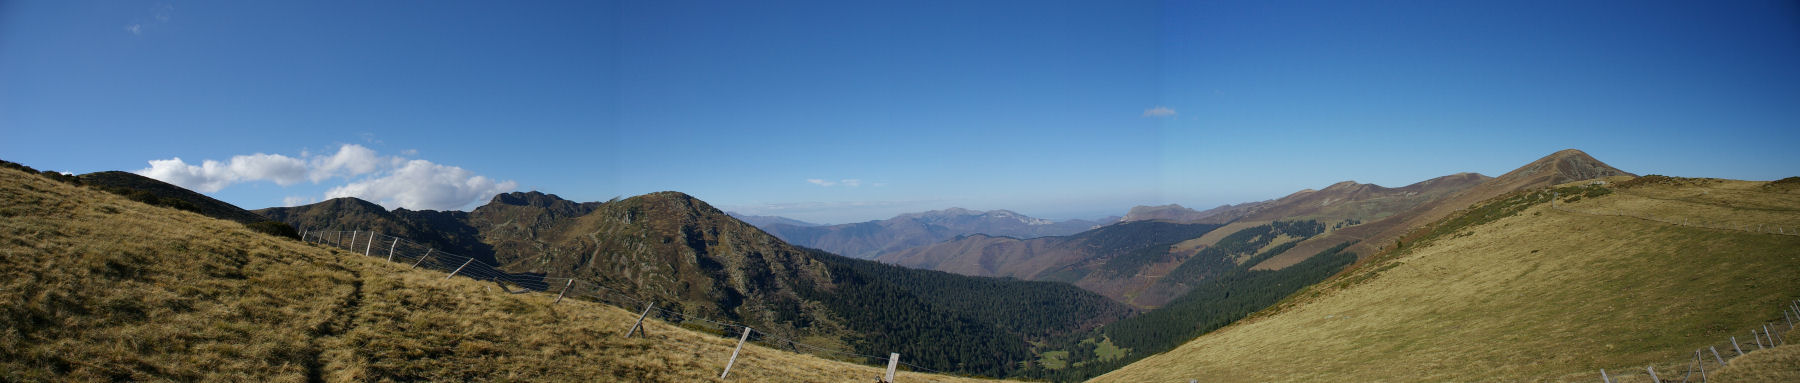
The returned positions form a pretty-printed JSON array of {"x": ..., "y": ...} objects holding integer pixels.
[
  {"x": 1563, "y": 166},
  {"x": 1568, "y": 153}
]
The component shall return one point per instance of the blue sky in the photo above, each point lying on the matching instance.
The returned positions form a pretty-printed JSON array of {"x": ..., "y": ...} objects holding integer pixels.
[{"x": 833, "y": 112}]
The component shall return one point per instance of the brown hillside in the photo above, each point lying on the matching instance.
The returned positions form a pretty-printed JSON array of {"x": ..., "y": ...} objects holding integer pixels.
[{"x": 1560, "y": 167}]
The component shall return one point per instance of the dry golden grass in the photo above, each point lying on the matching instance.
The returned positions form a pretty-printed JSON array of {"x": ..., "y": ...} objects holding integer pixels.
[
  {"x": 1737, "y": 205},
  {"x": 96, "y": 287},
  {"x": 1544, "y": 295},
  {"x": 1775, "y": 365}
]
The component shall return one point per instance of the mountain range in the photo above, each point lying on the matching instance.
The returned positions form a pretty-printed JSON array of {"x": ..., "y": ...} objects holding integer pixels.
[
  {"x": 870, "y": 239},
  {"x": 1424, "y": 267},
  {"x": 1373, "y": 236},
  {"x": 697, "y": 260},
  {"x": 1139, "y": 280}
]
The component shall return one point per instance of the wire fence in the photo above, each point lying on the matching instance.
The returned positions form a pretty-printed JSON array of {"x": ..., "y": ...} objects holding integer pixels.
[
  {"x": 421, "y": 256},
  {"x": 1711, "y": 358},
  {"x": 1720, "y": 353}
]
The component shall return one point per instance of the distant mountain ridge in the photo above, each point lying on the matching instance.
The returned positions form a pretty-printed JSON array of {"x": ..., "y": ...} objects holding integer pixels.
[
  {"x": 1138, "y": 279},
  {"x": 1178, "y": 213},
  {"x": 1106, "y": 260},
  {"x": 870, "y": 239},
  {"x": 1562, "y": 166}
]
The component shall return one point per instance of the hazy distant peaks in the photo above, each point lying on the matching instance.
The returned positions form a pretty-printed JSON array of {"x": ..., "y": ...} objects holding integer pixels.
[
  {"x": 1176, "y": 213},
  {"x": 957, "y": 212}
]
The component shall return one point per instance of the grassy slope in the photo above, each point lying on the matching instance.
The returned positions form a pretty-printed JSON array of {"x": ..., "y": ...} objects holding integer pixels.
[
  {"x": 97, "y": 287},
  {"x": 1540, "y": 295},
  {"x": 1775, "y": 365}
]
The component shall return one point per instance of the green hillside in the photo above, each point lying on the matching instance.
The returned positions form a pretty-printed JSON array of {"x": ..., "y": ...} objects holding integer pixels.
[{"x": 1513, "y": 289}]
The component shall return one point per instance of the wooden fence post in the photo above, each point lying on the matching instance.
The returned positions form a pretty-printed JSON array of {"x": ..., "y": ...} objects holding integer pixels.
[
  {"x": 640, "y": 321},
  {"x": 565, "y": 290},
  {"x": 1716, "y": 357},
  {"x": 1734, "y": 346},
  {"x": 734, "y": 352},
  {"x": 1603, "y": 377},
  {"x": 1758, "y": 337},
  {"x": 1774, "y": 339},
  {"x": 352, "y": 243},
  {"x": 371, "y": 245},
  {"x": 1652, "y": 370},
  {"x": 1700, "y": 362},
  {"x": 1796, "y": 310},
  {"x": 303, "y": 235},
  {"x": 893, "y": 362},
  {"x": 459, "y": 268},
  {"x": 391, "y": 249},
  {"x": 422, "y": 259}
]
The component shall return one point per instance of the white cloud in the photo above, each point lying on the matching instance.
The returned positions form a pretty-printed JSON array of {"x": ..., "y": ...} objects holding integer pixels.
[
  {"x": 282, "y": 169},
  {"x": 135, "y": 29},
  {"x": 351, "y": 160},
  {"x": 391, "y": 181},
  {"x": 421, "y": 184},
  {"x": 207, "y": 177},
  {"x": 210, "y": 176},
  {"x": 848, "y": 182},
  {"x": 1159, "y": 111}
]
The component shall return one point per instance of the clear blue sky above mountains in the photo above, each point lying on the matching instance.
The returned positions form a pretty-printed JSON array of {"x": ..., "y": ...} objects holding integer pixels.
[{"x": 850, "y": 111}]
